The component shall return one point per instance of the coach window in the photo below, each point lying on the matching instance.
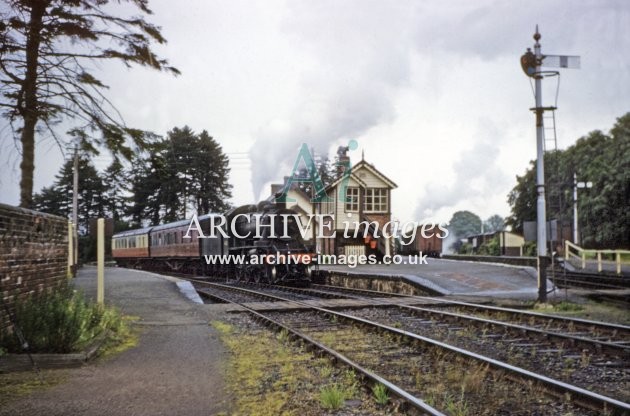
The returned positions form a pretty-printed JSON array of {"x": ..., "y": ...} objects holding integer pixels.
[
  {"x": 375, "y": 200},
  {"x": 352, "y": 199}
]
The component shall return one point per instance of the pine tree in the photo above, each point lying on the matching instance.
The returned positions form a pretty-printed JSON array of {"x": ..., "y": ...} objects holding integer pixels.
[
  {"x": 45, "y": 49},
  {"x": 182, "y": 173},
  {"x": 92, "y": 199}
]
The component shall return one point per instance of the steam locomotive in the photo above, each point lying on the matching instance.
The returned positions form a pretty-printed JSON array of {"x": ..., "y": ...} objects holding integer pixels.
[{"x": 260, "y": 243}]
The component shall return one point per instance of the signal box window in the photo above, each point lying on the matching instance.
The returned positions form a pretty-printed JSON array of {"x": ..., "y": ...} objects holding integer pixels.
[{"x": 352, "y": 199}]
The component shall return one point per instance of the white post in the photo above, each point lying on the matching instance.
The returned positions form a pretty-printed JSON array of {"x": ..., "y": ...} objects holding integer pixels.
[
  {"x": 599, "y": 261},
  {"x": 576, "y": 236},
  {"x": 100, "y": 261},
  {"x": 75, "y": 209},
  {"x": 70, "y": 249},
  {"x": 541, "y": 222},
  {"x": 618, "y": 261}
]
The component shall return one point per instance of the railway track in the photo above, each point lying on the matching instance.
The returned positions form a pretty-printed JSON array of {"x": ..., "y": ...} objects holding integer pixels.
[
  {"x": 429, "y": 356},
  {"x": 602, "y": 334},
  {"x": 562, "y": 278}
]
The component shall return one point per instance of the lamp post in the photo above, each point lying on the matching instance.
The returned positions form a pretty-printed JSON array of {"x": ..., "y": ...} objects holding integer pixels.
[{"x": 576, "y": 185}]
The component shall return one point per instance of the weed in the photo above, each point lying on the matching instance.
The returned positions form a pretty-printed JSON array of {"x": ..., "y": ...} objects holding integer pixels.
[
  {"x": 222, "y": 327},
  {"x": 283, "y": 336},
  {"x": 380, "y": 394},
  {"x": 350, "y": 384},
  {"x": 326, "y": 371},
  {"x": 474, "y": 380},
  {"x": 456, "y": 407},
  {"x": 418, "y": 379},
  {"x": 60, "y": 321},
  {"x": 331, "y": 397},
  {"x": 568, "y": 307}
]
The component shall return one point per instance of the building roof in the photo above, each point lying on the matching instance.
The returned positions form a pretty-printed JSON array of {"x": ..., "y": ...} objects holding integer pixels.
[{"x": 363, "y": 164}]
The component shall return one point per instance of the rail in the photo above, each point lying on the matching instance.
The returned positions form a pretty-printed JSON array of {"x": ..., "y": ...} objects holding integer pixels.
[
  {"x": 583, "y": 397},
  {"x": 574, "y": 252}
]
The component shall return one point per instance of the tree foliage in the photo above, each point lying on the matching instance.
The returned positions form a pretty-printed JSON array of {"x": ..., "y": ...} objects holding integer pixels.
[
  {"x": 92, "y": 197},
  {"x": 494, "y": 223},
  {"x": 46, "y": 49},
  {"x": 603, "y": 214},
  {"x": 184, "y": 172},
  {"x": 326, "y": 170},
  {"x": 464, "y": 223}
]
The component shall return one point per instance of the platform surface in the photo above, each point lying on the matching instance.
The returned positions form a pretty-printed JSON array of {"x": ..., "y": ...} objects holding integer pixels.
[
  {"x": 176, "y": 368},
  {"x": 455, "y": 277}
]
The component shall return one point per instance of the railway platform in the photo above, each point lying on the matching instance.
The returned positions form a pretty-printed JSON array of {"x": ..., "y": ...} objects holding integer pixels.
[
  {"x": 456, "y": 277},
  {"x": 176, "y": 368}
]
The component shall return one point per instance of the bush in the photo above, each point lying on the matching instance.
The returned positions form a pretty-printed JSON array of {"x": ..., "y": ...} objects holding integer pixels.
[
  {"x": 529, "y": 249},
  {"x": 465, "y": 248},
  {"x": 490, "y": 248},
  {"x": 58, "y": 321}
]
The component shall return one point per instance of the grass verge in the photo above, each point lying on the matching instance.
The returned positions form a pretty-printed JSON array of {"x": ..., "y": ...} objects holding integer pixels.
[{"x": 597, "y": 311}]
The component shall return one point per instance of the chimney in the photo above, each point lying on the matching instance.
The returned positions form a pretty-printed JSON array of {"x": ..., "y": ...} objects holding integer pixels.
[{"x": 343, "y": 160}]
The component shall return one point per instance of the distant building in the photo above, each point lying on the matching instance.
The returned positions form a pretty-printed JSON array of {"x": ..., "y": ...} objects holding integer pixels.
[
  {"x": 510, "y": 244},
  {"x": 367, "y": 207}
]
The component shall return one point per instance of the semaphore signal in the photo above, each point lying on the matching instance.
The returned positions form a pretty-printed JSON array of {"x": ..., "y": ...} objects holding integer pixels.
[{"x": 532, "y": 63}]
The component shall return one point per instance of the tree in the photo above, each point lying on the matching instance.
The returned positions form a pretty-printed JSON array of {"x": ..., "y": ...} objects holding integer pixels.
[
  {"x": 326, "y": 171},
  {"x": 494, "y": 223},
  {"x": 57, "y": 199},
  {"x": 117, "y": 193},
  {"x": 464, "y": 223},
  {"x": 45, "y": 49},
  {"x": 210, "y": 172},
  {"x": 599, "y": 158},
  {"x": 146, "y": 186},
  {"x": 185, "y": 169}
]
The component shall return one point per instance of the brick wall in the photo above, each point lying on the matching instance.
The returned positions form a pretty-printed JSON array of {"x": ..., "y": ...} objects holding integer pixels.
[{"x": 33, "y": 253}]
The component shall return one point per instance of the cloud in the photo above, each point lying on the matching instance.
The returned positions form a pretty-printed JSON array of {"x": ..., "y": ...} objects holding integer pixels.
[
  {"x": 477, "y": 174},
  {"x": 358, "y": 58}
]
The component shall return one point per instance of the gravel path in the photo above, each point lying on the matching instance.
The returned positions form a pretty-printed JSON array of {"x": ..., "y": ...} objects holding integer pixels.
[{"x": 175, "y": 370}]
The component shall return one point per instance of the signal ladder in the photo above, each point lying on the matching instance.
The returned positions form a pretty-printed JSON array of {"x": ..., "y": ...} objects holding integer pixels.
[
  {"x": 550, "y": 145},
  {"x": 550, "y": 142}
]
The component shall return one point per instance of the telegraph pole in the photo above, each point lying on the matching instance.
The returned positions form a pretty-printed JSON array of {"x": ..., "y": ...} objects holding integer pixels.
[{"x": 75, "y": 209}]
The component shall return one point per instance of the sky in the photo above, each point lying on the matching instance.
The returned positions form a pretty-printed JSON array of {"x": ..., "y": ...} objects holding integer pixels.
[{"x": 432, "y": 91}]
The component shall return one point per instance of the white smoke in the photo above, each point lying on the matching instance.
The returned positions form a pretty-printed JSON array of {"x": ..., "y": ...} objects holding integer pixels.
[
  {"x": 477, "y": 174},
  {"x": 349, "y": 87}
]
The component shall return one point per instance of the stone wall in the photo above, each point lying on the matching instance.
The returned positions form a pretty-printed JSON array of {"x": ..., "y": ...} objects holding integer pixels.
[
  {"x": 381, "y": 283},
  {"x": 33, "y": 254},
  {"x": 512, "y": 260}
]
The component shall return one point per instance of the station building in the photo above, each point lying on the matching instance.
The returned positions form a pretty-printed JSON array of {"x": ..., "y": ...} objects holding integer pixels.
[{"x": 350, "y": 223}]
